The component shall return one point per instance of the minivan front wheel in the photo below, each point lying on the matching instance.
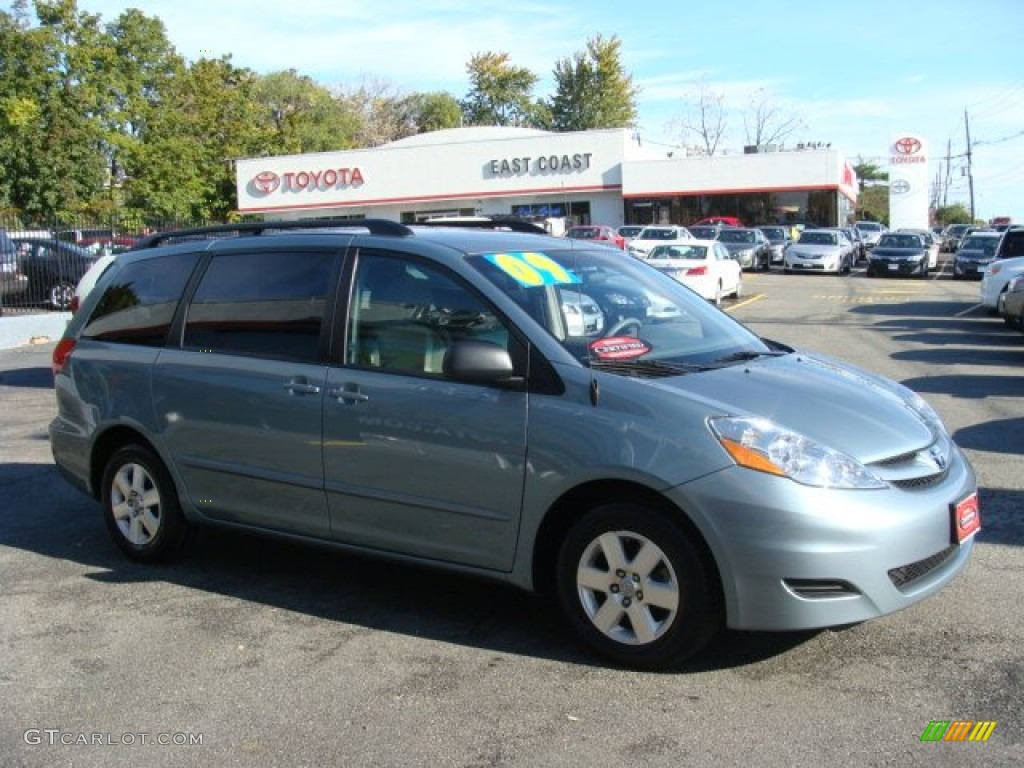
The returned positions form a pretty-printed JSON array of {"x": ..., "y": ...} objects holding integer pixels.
[
  {"x": 636, "y": 588},
  {"x": 141, "y": 505}
]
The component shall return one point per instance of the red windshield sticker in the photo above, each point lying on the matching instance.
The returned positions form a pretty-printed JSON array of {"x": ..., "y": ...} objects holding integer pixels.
[{"x": 619, "y": 348}]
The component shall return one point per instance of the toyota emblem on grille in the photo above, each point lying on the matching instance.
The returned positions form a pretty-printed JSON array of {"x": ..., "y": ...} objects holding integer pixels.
[
  {"x": 937, "y": 457},
  {"x": 908, "y": 145}
]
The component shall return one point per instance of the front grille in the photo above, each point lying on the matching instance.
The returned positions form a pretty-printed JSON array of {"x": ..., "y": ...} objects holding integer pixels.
[
  {"x": 907, "y": 574},
  {"x": 920, "y": 482}
]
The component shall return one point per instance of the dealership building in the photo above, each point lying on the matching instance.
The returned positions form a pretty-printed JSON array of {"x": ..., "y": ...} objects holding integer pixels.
[{"x": 600, "y": 177}]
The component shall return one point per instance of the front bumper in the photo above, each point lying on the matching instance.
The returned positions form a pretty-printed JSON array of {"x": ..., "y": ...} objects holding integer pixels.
[
  {"x": 896, "y": 267},
  {"x": 793, "y": 557},
  {"x": 969, "y": 268}
]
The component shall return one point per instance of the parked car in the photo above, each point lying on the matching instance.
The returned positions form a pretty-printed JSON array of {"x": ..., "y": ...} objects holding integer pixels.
[
  {"x": 847, "y": 243},
  {"x": 598, "y": 232},
  {"x": 996, "y": 277},
  {"x": 930, "y": 241},
  {"x": 952, "y": 235},
  {"x": 101, "y": 246},
  {"x": 749, "y": 247},
  {"x": 705, "y": 266},
  {"x": 705, "y": 231},
  {"x": 1011, "y": 303},
  {"x": 410, "y": 392},
  {"x": 52, "y": 269},
  {"x": 870, "y": 232},
  {"x": 860, "y": 248},
  {"x": 629, "y": 231},
  {"x": 655, "y": 235},
  {"x": 778, "y": 237},
  {"x": 976, "y": 252},
  {"x": 819, "y": 250},
  {"x": 583, "y": 316},
  {"x": 721, "y": 221},
  {"x": 899, "y": 253}
]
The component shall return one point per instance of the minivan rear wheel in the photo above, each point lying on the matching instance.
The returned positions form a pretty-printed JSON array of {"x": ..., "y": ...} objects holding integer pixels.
[
  {"x": 635, "y": 587},
  {"x": 141, "y": 505}
]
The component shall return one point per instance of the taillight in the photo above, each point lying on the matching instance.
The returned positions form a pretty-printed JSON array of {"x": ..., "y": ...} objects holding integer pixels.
[
  {"x": 61, "y": 353},
  {"x": 697, "y": 271}
]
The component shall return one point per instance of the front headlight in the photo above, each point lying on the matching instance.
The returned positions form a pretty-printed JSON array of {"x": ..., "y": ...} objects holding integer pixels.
[{"x": 761, "y": 445}]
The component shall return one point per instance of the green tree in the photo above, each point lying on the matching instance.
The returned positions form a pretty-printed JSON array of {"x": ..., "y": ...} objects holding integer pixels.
[
  {"x": 873, "y": 204},
  {"x": 500, "y": 94},
  {"x": 302, "y": 116},
  {"x": 592, "y": 90},
  {"x": 435, "y": 111},
  {"x": 52, "y": 99},
  {"x": 868, "y": 172},
  {"x": 957, "y": 213}
]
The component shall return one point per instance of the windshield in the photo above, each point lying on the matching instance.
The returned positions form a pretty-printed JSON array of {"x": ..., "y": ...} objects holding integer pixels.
[
  {"x": 900, "y": 241},
  {"x": 619, "y": 314},
  {"x": 658, "y": 233},
  {"x": 736, "y": 236},
  {"x": 705, "y": 233},
  {"x": 584, "y": 233},
  {"x": 774, "y": 233},
  {"x": 869, "y": 226},
  {"x": 818, "y": 238},
  {"x": 986, "y": 244}
]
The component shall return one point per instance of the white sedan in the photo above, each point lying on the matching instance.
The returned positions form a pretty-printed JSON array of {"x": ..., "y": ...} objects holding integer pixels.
[
  {"x": 996, "y": 277},
  {"x": 702, "y": 265},
  {"x": 651, "y": 236}
]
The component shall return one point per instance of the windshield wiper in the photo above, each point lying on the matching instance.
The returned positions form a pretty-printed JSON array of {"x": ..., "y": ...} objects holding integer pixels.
[{"x": 744, "y": 355}]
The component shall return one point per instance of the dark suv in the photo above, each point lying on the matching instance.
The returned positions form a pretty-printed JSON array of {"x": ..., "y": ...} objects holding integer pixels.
[{"x": 534, "y": 409}]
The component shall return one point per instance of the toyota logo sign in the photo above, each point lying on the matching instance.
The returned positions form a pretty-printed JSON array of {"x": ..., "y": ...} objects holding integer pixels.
[
  {"x": 908, "y": 145},
  {"x": 899, "y": 187},
  {"x": 266, "y": 182}
]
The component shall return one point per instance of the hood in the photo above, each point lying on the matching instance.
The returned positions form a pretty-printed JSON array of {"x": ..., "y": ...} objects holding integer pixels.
[
  {"x": 975, "y": 254},
  {"x": 813, "y": 248},
  {"x": 841, "y": 406}
]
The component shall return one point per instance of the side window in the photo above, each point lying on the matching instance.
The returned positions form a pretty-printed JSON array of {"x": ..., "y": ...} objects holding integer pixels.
[
  {"x": 266, "y": 304},
  {"x": 404, "y": 315},
  {"x": 138, "y": 305}
]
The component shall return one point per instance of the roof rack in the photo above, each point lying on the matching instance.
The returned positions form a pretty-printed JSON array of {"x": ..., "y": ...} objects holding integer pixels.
[
  {"x": 256, "y": 228},
  {"x": 515, "y": 225}
]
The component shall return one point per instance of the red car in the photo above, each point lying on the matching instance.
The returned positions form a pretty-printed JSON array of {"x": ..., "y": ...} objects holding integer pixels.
[
  {"x": 597, "y": 232},
  {"x": 728, "y": 221}
]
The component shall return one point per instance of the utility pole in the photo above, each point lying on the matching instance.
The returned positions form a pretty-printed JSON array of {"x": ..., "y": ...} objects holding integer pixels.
[
  {"x": 970, "y": 177},
  {"x": 945, "y": 187}
]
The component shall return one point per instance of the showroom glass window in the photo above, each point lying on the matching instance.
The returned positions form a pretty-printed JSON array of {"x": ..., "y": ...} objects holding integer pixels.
[{"x": 267, "y": 304}]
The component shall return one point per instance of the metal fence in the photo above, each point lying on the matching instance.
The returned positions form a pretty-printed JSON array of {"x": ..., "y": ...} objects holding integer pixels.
[{"x": 40, "y": 264}]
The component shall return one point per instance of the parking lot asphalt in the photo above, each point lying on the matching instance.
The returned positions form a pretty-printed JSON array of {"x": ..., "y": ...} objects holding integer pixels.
[{"x": 271, "y": 654}]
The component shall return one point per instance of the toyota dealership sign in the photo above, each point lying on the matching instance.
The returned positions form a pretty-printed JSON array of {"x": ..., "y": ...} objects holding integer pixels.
[{"x": 908, "y": 182}]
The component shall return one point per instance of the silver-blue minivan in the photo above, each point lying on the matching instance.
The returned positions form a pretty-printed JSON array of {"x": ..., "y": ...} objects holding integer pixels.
[{"x": 426, "y": 393}]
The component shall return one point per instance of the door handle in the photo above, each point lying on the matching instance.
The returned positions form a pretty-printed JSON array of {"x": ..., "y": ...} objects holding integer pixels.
[
  {"x": 348, "y": 393},
  {"x": 297, "y": 387}
]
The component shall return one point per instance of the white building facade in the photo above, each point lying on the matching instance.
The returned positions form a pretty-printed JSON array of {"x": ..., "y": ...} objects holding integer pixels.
[{"x": 601, "y": 177}]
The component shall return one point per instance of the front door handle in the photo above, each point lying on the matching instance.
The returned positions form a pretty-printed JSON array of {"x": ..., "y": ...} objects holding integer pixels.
[{"x": 301, "y": 387}]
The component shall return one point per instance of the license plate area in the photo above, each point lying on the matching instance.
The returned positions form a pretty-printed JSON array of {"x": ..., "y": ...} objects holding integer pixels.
[{"x": 966, "y": 518}]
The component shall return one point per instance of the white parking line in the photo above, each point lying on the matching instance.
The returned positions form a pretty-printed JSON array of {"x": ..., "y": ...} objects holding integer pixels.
[{"x": 968, "y": 310}]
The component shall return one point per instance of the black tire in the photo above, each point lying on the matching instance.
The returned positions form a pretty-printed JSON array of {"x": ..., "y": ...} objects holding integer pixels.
[
  {"x": 679, "y": 615},
  {"x": 59, "y": 295},
  {"x": 140, "y": 506}
]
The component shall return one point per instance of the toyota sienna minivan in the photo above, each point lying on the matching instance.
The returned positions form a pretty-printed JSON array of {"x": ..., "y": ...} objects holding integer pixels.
[{"x": 423, "y": 393}]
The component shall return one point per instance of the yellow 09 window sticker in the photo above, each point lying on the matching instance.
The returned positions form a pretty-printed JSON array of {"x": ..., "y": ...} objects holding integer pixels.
[{"x": 532, "y": 269}]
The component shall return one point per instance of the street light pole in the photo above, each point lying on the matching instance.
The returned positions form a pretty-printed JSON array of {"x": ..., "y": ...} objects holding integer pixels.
[{"x": 970, "y": 177}]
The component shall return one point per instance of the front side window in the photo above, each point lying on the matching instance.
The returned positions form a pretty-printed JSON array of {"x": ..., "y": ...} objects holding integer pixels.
[
  {"x": 266, "y": 304},
  {"x": 618, "y": 314},
  {"x": 404, "y": 315},
  {"x": 138, "y": 305}
]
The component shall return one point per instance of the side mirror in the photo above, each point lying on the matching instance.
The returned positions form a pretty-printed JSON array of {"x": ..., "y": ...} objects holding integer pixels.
[{"x": 480, "y": 362}]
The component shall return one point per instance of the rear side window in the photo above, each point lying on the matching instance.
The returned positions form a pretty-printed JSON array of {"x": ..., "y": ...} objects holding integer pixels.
[
  {"x": 1012, "y": 244},
  {"x": 138, "y": 305},
  {"x": 266, "y": 304}
]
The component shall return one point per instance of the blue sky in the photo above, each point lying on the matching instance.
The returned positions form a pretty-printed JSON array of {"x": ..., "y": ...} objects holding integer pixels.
[{"x": 856, "y": 74}]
